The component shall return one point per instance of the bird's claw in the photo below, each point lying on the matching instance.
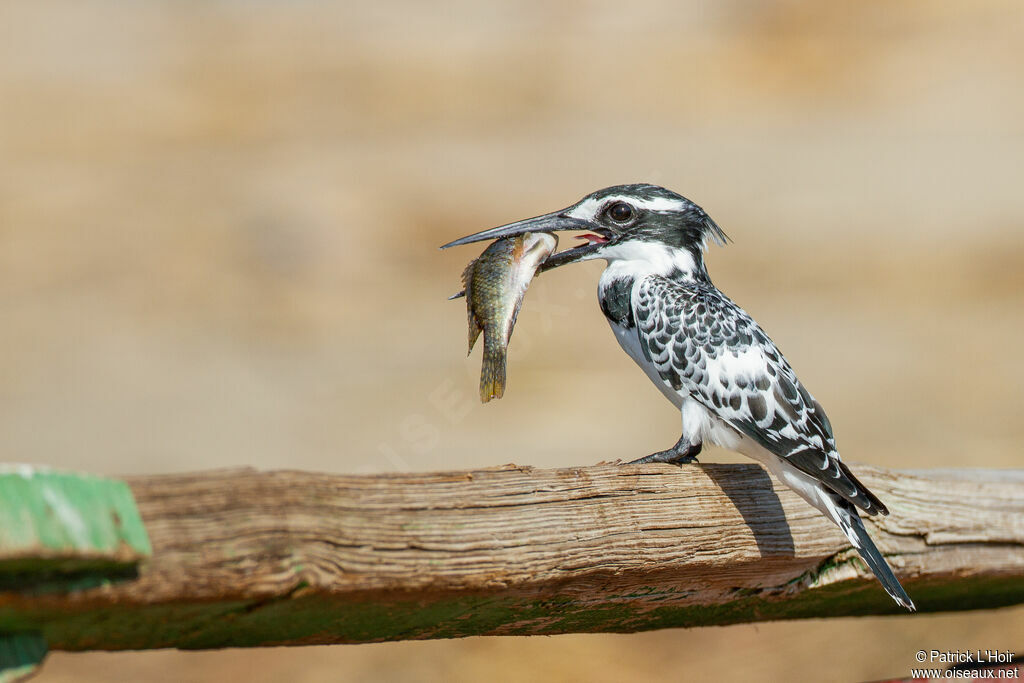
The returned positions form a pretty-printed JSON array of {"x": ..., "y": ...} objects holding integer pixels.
[{"x": 680, "y": 454}]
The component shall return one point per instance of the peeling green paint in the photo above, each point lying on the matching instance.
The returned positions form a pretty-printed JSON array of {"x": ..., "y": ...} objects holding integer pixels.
[
  {"x": 60, "y": 532},
  {"x": 20, "y": 656},
  {"x": 63, "y": 522}
]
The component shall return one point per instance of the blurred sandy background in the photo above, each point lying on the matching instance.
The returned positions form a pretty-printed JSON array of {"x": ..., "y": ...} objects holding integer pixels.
[{"x": 218, "y": 231}]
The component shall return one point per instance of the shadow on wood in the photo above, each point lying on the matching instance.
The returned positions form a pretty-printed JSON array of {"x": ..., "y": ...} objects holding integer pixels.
[{"x": 761, "y": 509}]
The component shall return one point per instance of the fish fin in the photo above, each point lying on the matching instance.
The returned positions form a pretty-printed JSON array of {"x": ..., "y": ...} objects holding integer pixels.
[
  {"x": 492, "y": 370},
  {"x": 459, "y": 295},
  {"x": 474, "y": 332},
  {"x": 467, "y": 273},
  {"x": 475, "y": 328}
]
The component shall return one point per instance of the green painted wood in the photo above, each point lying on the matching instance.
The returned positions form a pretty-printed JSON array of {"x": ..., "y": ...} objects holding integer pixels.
[
  {"x": 318, "y": 618},
  {"x": 20, "y": 656},
  {"x": 54, "y": 522}
]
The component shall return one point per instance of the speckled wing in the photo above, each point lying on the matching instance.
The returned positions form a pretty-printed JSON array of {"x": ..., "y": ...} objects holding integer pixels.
[{"x": 704, "y": 344}]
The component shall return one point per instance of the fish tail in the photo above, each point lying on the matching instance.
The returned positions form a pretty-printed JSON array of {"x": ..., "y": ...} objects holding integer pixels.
[{"x": 492, "y": 370}]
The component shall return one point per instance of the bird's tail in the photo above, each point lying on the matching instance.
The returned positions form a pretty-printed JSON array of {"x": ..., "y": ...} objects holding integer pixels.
[
  {"x": 492, "y": 369},
  {"x": 846, "y": 517}
]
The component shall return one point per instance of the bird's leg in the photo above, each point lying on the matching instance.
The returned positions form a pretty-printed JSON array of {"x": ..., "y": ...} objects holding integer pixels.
[{"x": 682, "y": 453}]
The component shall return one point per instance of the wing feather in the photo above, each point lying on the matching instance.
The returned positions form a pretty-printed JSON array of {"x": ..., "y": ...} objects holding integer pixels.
[{"x": 703, "y": 343}]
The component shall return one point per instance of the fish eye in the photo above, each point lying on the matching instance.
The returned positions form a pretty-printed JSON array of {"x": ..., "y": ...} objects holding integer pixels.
[{"x": 620, "y": 212}]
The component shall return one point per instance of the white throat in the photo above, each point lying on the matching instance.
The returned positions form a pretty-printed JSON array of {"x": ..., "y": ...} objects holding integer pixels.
[{"x": 635, "y": 258}]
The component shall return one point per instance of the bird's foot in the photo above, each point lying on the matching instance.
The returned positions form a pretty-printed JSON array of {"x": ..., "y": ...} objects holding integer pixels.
[{"x": 683, "y": 453}]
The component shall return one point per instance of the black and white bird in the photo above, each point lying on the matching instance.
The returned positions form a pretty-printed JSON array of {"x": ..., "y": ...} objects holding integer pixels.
[{"x": 731, "y": 383}]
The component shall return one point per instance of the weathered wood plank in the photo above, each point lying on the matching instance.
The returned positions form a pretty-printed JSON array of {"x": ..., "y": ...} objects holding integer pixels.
[{"x": 243, "y": 558}]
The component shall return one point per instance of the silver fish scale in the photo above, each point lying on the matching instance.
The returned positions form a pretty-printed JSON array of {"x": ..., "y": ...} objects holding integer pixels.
[{"x": 690, "y": 332}]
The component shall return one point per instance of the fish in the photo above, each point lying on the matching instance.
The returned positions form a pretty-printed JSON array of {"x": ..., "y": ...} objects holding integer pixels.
[{"x": 495, "y": 284}]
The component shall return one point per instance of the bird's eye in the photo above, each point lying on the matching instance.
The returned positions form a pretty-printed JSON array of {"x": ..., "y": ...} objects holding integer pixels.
[{"x": 620, "y": 212}]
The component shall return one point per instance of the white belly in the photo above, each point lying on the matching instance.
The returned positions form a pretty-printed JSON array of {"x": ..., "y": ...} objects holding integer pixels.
[
  {"x": 630, "y": 343},
  {"x": 699, "y": 424}
]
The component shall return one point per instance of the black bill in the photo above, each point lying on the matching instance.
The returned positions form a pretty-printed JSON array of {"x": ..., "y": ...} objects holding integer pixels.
[{"x": 549, "y": 222}]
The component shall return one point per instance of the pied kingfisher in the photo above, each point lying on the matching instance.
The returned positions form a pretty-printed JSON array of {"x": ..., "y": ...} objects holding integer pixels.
[{"x": 706, "y": 354}]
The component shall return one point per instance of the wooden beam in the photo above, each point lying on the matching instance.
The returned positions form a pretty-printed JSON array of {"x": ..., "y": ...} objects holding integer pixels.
[{"x": 245, "y": 558}]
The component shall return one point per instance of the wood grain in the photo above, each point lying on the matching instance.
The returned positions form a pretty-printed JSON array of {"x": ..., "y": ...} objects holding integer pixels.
[{"x": 247, "y": 558}]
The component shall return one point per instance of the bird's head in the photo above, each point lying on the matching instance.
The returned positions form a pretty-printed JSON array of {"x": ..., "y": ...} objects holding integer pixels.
[{"x": 641, "y": 223}]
